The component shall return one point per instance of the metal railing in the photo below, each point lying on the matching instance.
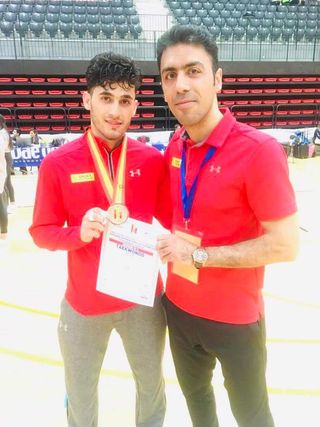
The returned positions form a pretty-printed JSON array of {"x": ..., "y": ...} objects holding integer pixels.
[{"x": 44, "y": 47}]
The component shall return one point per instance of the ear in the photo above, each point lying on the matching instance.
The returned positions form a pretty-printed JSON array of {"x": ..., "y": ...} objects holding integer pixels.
[
  {"x": 136, "y": 103},
  {"x": 86, "y": 98},
  {"x": 218, "y": 80}
]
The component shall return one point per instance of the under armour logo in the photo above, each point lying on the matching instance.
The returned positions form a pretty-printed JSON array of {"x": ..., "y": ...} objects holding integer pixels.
[
  {"x": 216, "y": 169},
  {"x": 136, "y": 172}
]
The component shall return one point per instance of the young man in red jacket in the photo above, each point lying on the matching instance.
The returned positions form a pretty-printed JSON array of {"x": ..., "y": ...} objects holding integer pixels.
[
  {"x": 234, "y": 211},
  {"x": 69, "y": 214}
]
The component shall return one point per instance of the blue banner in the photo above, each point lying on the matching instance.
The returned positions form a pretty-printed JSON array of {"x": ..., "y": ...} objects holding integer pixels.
[{"x": 29, "y": 156}]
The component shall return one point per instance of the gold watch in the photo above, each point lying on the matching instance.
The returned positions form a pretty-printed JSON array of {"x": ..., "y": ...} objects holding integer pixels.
[{"x": 199, "y": 257}]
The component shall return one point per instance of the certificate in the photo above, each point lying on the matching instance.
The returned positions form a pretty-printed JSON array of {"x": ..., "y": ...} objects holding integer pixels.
[{"x": 129, "y": 262}]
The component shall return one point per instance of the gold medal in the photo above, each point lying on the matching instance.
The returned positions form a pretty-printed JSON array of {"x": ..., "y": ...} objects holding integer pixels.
[{"x": 117, "y": 213}]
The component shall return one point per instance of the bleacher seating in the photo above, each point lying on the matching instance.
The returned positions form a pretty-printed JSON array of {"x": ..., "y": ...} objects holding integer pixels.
[
  {"x": 54, "y": 102},
  {"x": 250, "y": 20},
  {"x": 72, "y": 19}
]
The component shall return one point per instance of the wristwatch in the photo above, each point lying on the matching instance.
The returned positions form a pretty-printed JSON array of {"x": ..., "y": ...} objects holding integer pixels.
[{"x": 199, "y": 257}]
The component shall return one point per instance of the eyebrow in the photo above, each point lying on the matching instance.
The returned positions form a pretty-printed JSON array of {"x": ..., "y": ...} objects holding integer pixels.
[
  {"x": 124, "y": 96},
  {"x": 190, "y": 64}
]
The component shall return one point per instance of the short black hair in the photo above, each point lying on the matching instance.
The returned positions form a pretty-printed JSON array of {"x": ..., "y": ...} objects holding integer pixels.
[
  {"x": 108, "y": 68},
  {"x": 188, "y": 34}
]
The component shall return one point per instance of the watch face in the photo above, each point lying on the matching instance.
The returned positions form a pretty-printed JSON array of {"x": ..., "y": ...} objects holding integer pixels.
[{"x": 200, "y": 255}]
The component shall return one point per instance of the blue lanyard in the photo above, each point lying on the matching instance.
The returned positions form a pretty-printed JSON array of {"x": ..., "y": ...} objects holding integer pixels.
[{"x": 187, "y": 199}]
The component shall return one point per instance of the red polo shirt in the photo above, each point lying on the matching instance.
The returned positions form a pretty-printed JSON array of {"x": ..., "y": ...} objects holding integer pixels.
[
  {"x": 68, "y": 186},
  {"x": 245, "y": 182}
]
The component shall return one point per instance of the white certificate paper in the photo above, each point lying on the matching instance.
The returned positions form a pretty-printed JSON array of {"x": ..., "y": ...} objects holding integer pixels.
[{"x": 129, "y": 262}]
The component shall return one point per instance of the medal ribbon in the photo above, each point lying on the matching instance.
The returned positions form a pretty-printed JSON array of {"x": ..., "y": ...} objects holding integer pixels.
[
  {"x": 115, "y": 191},
  {"x": 187, "y": 199}
]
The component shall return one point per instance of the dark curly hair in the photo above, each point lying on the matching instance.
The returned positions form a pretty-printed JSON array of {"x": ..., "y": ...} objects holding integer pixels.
[
  {"x": 188, "y": 34},
  {"x": 109, "y": 68}
]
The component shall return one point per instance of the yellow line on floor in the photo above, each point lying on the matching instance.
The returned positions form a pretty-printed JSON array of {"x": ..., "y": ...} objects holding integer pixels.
[
  {"x": 28, "y": 309},
  {"x": 56, "y": 316},
  {"x": 291, "y": 301},
  {"x": 127, "y": 375}
]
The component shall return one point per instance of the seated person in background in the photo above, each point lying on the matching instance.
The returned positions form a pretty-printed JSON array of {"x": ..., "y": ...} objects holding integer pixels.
[{"x": 34, "y": 137}]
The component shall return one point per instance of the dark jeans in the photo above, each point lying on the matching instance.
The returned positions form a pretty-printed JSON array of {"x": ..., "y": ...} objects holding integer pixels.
[
  {"x": 8, "y": 182},
  {"x": 196, "y": 343}
]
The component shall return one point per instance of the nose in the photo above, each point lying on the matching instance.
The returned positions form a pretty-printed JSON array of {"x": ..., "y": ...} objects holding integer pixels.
[
  {"x": 182, "y": 83},
  {"x": 114, "y": 109}
]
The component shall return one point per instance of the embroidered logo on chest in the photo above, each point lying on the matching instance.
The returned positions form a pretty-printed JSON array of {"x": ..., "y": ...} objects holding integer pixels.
[
  {"x": 215, "y": 169},
  {"x": 134, "y": 172}
]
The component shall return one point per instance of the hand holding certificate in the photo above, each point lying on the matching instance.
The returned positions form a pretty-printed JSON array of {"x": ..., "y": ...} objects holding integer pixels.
[{"x": 129, "y": 262}]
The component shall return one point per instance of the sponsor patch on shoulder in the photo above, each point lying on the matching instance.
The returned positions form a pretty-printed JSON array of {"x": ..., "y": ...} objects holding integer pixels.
[
  {"x": 175, "y": 162},
  {"x": 82, "y": 177}
]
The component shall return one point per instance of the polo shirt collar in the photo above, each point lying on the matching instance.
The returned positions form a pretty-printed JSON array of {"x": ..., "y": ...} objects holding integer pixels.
[{"x": 218, "y": 135}]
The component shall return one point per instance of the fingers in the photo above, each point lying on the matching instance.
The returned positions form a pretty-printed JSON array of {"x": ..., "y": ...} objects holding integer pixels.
[{"x": 93, "y": 224}]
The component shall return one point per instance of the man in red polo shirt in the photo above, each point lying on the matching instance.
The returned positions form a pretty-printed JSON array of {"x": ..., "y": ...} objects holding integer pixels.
[
  {"x": 69, "y": 214},
  {"x": 234, "y": 212}
]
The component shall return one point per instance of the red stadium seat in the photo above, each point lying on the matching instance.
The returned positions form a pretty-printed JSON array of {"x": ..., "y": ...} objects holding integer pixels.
[
  {"x": 55, "y": 104},
  {"x": 147, "y": 79},
  {"x": 22, "y": 92},
  {"x": 26, "y": 129},
  {"x": 54, "y": 79},
  {"x": 38, "y": 92},
  {"x": 37, "y": 79},
  {"x": 284, "y": 79},
  {"x": 58, "y": 128},
  {"x": 20, "y": 79},
  {"x": 24, "y": 116},
  {"x": 5, "y": 79},
  {"x": 70, "y": 79},
  {"x": 148, "y": 125},
  {"x": 72, "y": 104},
  {"x": 270, "y": 79},
  {"x": 54, "y": 92},
  {"x": 41, "y": 128},
  {"x": 147, "y": 115},
  {"x": 256, "y": 79},
  {"x": 295, "y": 101},
  {"x": 56, "y": 116},
  {"x": 24, "y": 104},
  {"x": 41, "y": 116},
  {"x": 40, "y": 104},
  {"x": 7, "y": 104},
  {"x": 134, "y": 126},
  {"x": 6, "y": 92},
  {"x": 70, "y": 92}
]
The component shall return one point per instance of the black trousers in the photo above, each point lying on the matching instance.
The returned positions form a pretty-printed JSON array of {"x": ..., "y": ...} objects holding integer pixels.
[{"x": 196, "y": 343}]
